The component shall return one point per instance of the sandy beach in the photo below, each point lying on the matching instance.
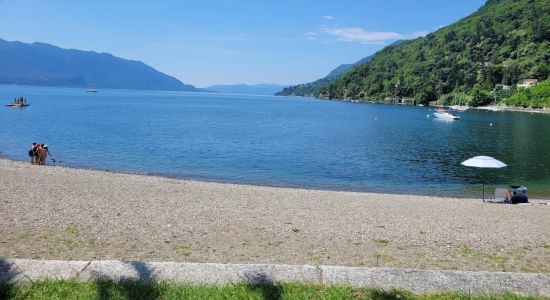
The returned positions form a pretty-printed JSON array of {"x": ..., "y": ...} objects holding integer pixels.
[{"x": 55, "y": 212}]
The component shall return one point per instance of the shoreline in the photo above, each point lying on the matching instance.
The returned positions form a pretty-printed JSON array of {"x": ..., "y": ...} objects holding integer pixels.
[
  {"x": 514, "y": 109},
  {"x": 457, "y": 195},
  {"x": 56, "y": 212}
]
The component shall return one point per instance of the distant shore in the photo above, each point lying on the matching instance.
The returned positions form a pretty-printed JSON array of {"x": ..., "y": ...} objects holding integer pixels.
[
  {"x": 514, "y": 108},
  {"x": 74, "y": 214}
]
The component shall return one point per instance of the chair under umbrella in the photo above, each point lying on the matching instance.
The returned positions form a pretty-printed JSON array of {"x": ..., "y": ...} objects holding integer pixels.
[{"x": 483, "y": 162}]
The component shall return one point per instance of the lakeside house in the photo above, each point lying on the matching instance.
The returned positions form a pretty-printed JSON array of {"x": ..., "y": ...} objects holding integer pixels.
[
  {"x": 400, "y": 100},
  {"x": 503, "y": 87},
  {"x": 527, "y": 83}
]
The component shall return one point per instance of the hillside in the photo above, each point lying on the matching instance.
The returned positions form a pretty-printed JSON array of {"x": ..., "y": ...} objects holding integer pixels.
[
  {"x": 504, "y": 42},
  {"x": 253, "y": 89},
  {"x": 44, "y": 64},
  {"x": 535, "y": 97},
  {"x": 313, "y": 88}
]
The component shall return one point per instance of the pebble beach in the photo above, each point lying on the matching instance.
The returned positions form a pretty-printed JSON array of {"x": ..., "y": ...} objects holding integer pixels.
[{"x": 54, "y": 212}]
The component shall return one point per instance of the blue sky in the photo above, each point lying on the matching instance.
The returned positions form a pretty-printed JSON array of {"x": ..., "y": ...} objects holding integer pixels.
[{"x": 226, "y": 42}]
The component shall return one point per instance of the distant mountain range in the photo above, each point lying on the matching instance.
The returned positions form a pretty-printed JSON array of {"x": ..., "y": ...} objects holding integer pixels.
[
  {"x": 254, "y": 89},
  {"x": 44, "y": 64},
  {"x": 313, "y": 88}
]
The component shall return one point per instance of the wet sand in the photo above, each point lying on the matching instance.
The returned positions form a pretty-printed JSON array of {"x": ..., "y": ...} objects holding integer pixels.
[{"x": 74, "y": 214}]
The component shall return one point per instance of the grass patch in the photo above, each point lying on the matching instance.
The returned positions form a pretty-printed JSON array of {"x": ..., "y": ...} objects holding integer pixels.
[
  {"x": 499, "y": 260},
  {"x": 184, "y": 250},
  {"x": 72, "y": 230},
  {"x": 383, "y": 242},
  {"x": 384, "y": 258},
  {"x": 468, "y": 251},
  {"x": 547, "y": 246},
  {"x": 71, "y": 289}
]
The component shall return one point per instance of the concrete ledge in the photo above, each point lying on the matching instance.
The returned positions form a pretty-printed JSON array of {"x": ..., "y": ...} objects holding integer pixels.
[
  {"x": 419, "y": 281},
  {"x": 432, "y": 281},
  {"x": 198, "y": 273}
]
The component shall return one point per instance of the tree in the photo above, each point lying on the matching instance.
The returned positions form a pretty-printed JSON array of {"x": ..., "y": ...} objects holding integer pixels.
[{"x": 479, "y": 96}]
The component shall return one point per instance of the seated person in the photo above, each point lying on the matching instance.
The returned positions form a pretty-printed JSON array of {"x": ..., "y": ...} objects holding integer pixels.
[{"x": 517, "y": 196}]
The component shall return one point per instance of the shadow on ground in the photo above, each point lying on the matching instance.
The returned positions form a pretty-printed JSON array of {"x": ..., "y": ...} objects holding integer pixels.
[
  {"x": 142, "y": 287},
  {"x": 263, "y": 283},
  {"x": 145, "y": 285},
  {"x": 8, "y": 274}
]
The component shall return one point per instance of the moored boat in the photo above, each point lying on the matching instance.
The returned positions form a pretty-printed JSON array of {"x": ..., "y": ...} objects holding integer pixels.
[{"x": 445, "y": 115}]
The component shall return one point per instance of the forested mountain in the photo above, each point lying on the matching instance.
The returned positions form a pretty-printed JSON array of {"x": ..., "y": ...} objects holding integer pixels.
[
  {"x": 504, "y": 42},
  {"x": 250, "y": 89},
  {"x": 313, "y": 88},
  {"x": 44, "y": 64}
]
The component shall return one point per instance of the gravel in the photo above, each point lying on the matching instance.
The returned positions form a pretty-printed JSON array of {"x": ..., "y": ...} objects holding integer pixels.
[{"x": 52, "y": 212}]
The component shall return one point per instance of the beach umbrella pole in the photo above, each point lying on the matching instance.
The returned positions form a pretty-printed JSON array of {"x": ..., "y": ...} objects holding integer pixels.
[{"x": 483, "y": 184}]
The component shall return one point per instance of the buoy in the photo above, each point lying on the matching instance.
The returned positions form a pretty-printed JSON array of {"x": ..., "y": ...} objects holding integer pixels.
[
  {"x": 490, "y": 124},
  {"x": 427, "y": 116},
  {"x": 376, "y": 118}
]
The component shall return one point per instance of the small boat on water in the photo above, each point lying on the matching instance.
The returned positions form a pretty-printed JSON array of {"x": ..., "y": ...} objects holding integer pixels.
[
  {"x": 18, "y": 102},
  {"x": 440, "y": 113},
  {"x": 17, "y": 105},
  {"x": 91, "y": 91}
]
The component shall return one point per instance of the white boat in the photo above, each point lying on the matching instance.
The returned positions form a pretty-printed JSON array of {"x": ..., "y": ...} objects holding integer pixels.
[{"x": 445, "y": 115}]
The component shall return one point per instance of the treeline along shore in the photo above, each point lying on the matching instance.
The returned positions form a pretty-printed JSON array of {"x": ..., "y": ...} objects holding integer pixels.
[{"x": 55, "y": 212}]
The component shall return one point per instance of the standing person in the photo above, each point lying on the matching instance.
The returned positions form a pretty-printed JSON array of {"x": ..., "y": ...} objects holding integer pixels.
[
  {"x": 32, "y": 153},
  {"x": 38, "y": 155},
  {"x": 37, "y": 151},
  {"x": 44, "y": 152}
]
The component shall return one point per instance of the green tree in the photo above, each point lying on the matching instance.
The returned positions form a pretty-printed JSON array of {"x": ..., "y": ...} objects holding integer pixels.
[{"x": 479, "y": 96}]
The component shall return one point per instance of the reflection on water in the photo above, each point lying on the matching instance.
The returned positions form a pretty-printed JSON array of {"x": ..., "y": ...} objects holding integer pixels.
[{"x": 279, "y": 141}]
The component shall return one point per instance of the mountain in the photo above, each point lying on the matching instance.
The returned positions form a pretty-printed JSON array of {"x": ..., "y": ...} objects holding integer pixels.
[
  {"x": 44, "y": 64},
  {"x": 255, "y": 89},
  {"x": 313, "y": 88},
  {"x": 502, "y": 43}
]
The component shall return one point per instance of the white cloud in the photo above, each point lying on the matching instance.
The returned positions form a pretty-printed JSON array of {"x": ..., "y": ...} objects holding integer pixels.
[
  {"x": 311, "y": 35},
  {"x": 355, "y": 34},
  {"x": 329, "y": 17}
]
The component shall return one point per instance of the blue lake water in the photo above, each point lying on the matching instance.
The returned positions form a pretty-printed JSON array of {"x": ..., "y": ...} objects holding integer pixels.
[{"x": 278, "y": 141}]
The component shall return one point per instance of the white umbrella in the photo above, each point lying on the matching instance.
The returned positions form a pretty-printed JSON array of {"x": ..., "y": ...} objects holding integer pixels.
[{"x": 483, "y": 162}]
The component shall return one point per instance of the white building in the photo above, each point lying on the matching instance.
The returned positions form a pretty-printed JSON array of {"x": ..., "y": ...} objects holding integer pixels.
[{"x": 527, "y": 83}]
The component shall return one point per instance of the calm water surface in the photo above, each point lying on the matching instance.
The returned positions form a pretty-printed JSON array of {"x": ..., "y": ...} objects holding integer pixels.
[{"x": 278, "y": 141}]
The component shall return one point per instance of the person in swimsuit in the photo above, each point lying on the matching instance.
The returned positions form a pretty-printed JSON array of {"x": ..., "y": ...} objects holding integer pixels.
[{"x": 32, "y": 153}]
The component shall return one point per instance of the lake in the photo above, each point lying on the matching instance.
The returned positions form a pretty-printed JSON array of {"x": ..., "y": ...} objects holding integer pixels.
[{"x": 278, "y": 141}]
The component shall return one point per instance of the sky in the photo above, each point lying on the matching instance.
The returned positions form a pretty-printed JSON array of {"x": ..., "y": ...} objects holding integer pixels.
[{"x": 211, "y": 42}]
